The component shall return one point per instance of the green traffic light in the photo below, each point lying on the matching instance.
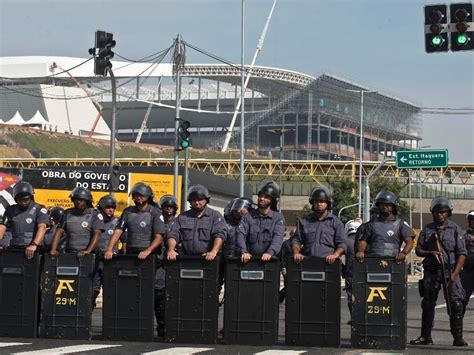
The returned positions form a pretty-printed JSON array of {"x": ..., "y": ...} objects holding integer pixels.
[
  {"x": 436, "y": 41},
  {"x": 185, "y": 144},
  {"x": 462, "y": 39}
]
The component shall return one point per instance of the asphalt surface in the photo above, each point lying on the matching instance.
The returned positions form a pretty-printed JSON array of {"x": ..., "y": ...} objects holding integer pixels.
[{"x": 441, "y": 335}]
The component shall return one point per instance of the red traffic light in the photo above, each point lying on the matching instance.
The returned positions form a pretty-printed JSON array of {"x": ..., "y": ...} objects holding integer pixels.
[
  {"x": 461, "y": 14},
  {"x": 436, "y": 16}
]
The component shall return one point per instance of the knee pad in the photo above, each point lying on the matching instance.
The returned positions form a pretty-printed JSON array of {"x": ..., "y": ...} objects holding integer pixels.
[{"x": 457, "y": 307}]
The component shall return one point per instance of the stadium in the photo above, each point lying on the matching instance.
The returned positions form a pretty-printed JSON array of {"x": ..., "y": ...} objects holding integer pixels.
[{"x": 304, "y": 117}]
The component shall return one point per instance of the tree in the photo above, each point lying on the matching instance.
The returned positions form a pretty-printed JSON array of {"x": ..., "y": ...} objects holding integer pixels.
[
  {"x": 343, "y": 190},
  {"x": 345, "y": 194}
]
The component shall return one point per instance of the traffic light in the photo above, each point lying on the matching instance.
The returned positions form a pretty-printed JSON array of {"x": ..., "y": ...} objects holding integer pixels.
[
  {"x": 462, "y": 33},
  {"x": 436, "y": 24},
  {"x": 184, "y": 135},
  {"x": 104, "y": 42}
]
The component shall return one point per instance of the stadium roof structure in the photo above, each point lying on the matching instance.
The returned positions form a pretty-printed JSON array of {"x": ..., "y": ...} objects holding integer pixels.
[
  {"x": 146, "y": 103},
  {"x": 43, "y": 69}
]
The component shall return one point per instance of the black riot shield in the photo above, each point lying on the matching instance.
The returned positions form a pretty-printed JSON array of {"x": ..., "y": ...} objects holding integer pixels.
[
  {"x": 191, "y": 300},
  {"x": 128, "y": 298},
  {"x": 66, "y": 301},
  {"x": 19, "y": 294},
  {"x": 313, "y": 303},
  {"x": 379, "y": 310},
  {"x": 251, "y": 302}
]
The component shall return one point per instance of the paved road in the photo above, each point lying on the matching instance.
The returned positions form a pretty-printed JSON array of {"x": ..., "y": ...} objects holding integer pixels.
[{"x": 441, "y": 335}]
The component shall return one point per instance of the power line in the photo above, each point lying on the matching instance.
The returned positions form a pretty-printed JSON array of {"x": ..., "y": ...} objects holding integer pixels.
[{"x": 61, "y": 97}]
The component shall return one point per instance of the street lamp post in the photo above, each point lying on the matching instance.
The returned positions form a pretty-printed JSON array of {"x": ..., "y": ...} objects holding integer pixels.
[
  {"x": 242, "y": 107},
  {"x": 361, "y": 143},
  {"x": 281, "y": 132}
]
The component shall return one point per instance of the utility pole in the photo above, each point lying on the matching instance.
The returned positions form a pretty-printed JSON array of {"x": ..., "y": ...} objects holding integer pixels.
[
  {"x": 361, "y": 145},
  {"x": 178, "y": 63},
  {"x": 367, "y": 189},
  {"x": 281, "y": 132},
  {"x": 112, "y": 129},
  {"x": 243, "y": 86}
]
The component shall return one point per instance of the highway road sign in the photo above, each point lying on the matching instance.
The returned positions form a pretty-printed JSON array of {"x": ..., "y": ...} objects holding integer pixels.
[{"x": 415, "y": 159}]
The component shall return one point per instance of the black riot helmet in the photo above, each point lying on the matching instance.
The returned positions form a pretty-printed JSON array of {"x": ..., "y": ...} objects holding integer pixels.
[
  {"x": 142, "y": 189},
  {"x": 470, "y": 216},
  {"x": 321, "y": 193},
  {"x": 198, "y": 192},
  {"x": 107, "y": 201},
  {"x": 169, "y": 200},
  {"x": 441, "y": 204},
  {"x": 82, "y": 193},
  {"x": 23, "y": 189},
  {"x": 389, "y": 197},
  {"x": 272, "y": 190},
  {"x": 56, "y": 214},
  {"x": 241, "y": 203}
]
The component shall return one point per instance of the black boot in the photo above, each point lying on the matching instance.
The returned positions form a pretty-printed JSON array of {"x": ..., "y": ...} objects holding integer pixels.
[
  {"x": 455, "y": 321},
  {"x": 427, "y": 317},
  {"x": 422, "y": 340}
]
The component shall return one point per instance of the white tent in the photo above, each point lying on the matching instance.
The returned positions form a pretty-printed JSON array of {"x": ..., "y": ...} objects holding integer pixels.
[
  {"x": 16, "y": 120},
  {"x": 37, "y": 120}
]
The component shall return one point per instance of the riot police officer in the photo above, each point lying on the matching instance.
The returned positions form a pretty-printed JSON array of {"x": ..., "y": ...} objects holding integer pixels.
[
  {"x": 82, "y": 226},
  {"x": 374, "y": 212},
  {"x": 200, "y": 230},
  {"x": 55, "y": 216},
  {"x": 320, "y": 233},
  {"x": 169, "y": 207},
  {"x": 233, "y": 213},
  {"x": 145, "y": 229},
  {"x": 384, "y": 236},
  {"x": 285, "y": 254},
  {"x": 467, "y": 274},
  {"x": 441, "y": 242},
  {"x": 351, "y": 228},
  {"x": 260, "y": 232},
  {"x": 107, "y": 206},
  {"x": 27, "y": 220}
]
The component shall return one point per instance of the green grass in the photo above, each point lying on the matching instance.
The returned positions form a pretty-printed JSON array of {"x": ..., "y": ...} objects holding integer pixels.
[{"x": 47, "y": 145}]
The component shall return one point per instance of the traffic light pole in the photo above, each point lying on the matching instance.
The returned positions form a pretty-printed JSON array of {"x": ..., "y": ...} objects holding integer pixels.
[
  {"x": 177, "y": 119},
  {"x": 186, "y": 178},
  {"x": 112, "y": 129}
]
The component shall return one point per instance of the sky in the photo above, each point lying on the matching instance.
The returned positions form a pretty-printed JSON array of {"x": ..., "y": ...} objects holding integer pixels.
[{"x": 378, "y": 43}]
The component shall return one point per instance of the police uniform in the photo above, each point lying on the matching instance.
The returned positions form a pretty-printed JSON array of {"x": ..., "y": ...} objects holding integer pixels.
[
  {"x": 384, "y": 238},
  {"x": 48, "y": 239},
  {"x": 467, "y": 274},
  {"x": 160, "y": 279},
  {"x": 98, "y": 279},
  {"x": 229, "y": 245},
  {"x": 197, "y": 235},
  {"x": 453, "y": 245},
  {"x": 23, "y": 223},
  {"x": 352, "y": 228},
  {"x": 285, "y": 254},
  {"x": 258, "y": 233},
  {"x": 320, "y": 238},
  {"x": 79, "y": 227},
  {"x": 142, "y": 226}
]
